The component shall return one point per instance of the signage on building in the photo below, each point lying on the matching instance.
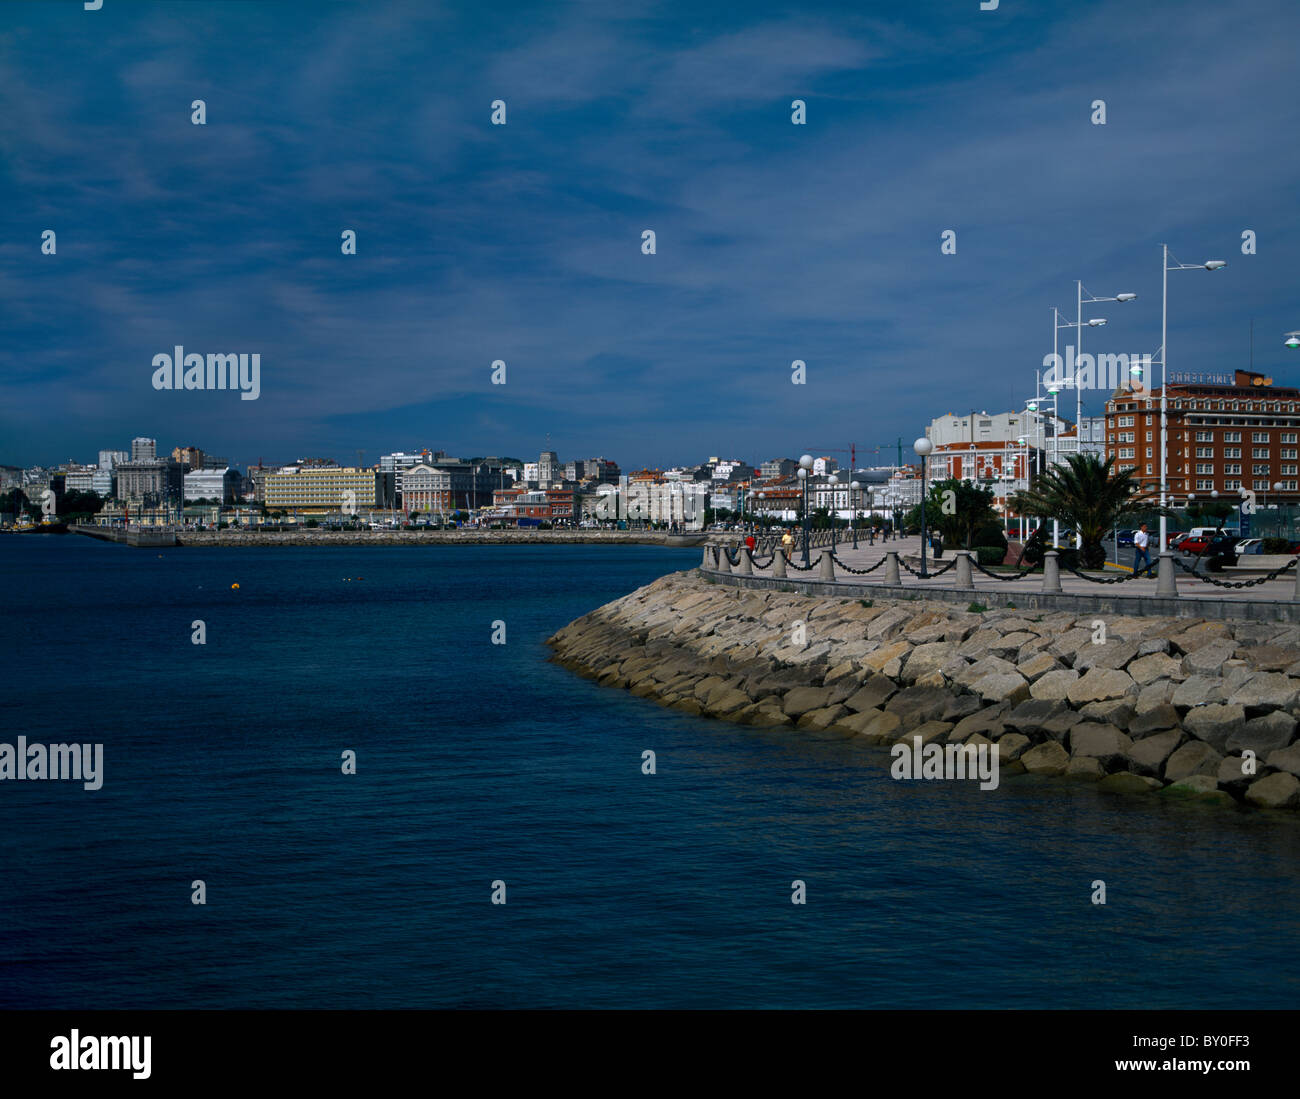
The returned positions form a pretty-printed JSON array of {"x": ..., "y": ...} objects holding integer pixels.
[{"x": 1188, "y": 377}]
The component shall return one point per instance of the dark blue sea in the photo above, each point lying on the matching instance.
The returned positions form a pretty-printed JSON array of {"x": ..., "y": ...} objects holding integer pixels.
[{"x": 478, "y": 762}]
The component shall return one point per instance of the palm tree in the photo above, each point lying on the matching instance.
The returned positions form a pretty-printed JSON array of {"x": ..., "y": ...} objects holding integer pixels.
[{"x": 1087, "y": 494}]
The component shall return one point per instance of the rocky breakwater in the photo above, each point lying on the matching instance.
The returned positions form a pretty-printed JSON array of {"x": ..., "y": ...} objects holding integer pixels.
[{"x": 1187, "y": 708}]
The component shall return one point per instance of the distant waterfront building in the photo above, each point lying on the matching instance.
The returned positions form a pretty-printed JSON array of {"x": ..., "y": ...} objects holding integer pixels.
[
  {"x": 190, "y": 456},
  {"x": 79, "y": 478},
  {"x": 322, "y": 488},
  {"x": 109, "y": 459},
  {"x": 144, "y": 450},
  {"x": 212, "y": 484},
  {"x": 776, "y": 469},
  {"x": 398, "y": 463},
  {"x": 1226, "y": 433},
  {"x": 149, "y": 481},
  {"x": 549, "y": 468}
]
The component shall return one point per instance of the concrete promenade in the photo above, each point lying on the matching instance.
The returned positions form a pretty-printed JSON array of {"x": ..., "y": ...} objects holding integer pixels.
[{"x": 1274, "y": 600}]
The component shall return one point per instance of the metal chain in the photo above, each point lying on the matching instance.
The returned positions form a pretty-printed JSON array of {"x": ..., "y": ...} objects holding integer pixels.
[
  {"x": 1236, "y": 583},
  {"x": 856, "y": 572},
  {"x": 1002, "y": 575},
  {"x": 799, "y": 568},
  {"x": 929, "y": 576},
  {"x": 1104, "y": 580},
  {"x": 762, "y": 564}
]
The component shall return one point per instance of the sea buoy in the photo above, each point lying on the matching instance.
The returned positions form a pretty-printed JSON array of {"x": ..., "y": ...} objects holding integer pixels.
[{"x": 234, "y": 585}]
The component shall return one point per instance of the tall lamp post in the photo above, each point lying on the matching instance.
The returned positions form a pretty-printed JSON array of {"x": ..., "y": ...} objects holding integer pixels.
[
  {"x": 1208, "y": 265},
  {"x": 923, "y": 446},
  {"x": 805, "y": 468},
  {"x": 854, "y": 499},
  {"x": 833, "y": 480}
]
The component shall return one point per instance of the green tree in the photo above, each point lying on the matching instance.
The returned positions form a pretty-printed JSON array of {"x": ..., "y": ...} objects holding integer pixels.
[
  {"x": 957, "y": 509},
  {"x": 1087, "y": 494}
]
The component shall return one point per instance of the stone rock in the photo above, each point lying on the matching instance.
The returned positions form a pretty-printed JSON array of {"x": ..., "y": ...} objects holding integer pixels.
[
  {"x": 1153, "y": 645},
  {"x": 1011, "y": 746},
  {"x": 1037, "y": 666},
  {"x": 887, "y": 659},
  {"x": 882, "y": 728},
  {"x": 1084, "y": 769},
  {"x": 1161, "y": 716},
  {"x": 1046, "y": 759},
  {"x": 928, "y": 731},
  {"x": 801, "y": 700},
  {"x": 1054, "y": 685},
  {"x": 1002, "y": 687},
  {"x": 1214, "y": 723},
  {"x": 1147, "y": 669},
  {"x": 1104, "y": 742},
  {"x": 889, "y": 624},
  {"x": 875, "y": 692},
  {"x": 987, "y": 665},
  {"x": 1117, "y": 711},
  {"x": 1201, "y": 789},
  {"x": 1100, "y": 684},
  {"x": 917, "y": 704},
  {"x": 1276, "y": 791},
  {"x": 1195, "y": 784},
  {"x": 1154, "y": 694},
  {"x": 1206, "y": 659},
  {"x": 1270, "y": 658},
  {"x": 765, "y": 714},
  {"x": 823, "y": 719},
  {"x": 1286, "y": 759},
  {"x": 1110, "y": 654},
  {"x": 960, "y": 706},
  {"x": 1029, "y": 716},
  {"x": 1148, "y": 756},
  {"x": 1193, "y": 758},
  {"x": 1058, "y": 726},
  {"x": 1198, "y": 690},
  {"x": 726, "y": 701},
  {"x": 925, "y": 659},
  {"x": 1267, "y": 691},
  {"x": 1125, "y": 782},
  {"x": 1198, "y": 636},
  {"x": 1232, "y": 775},
  {"x": 984, "y": 724},
  {"x": 1235, "y": 672},
  {"x": 1264, "y": 734}
]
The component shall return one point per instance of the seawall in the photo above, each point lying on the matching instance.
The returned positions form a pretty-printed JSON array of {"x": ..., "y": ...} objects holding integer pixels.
[
  {"x": 1188, "y": 708},
  {"x": 316, "y": 537}
]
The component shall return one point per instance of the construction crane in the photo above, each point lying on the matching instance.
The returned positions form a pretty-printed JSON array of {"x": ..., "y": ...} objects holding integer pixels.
[{"x": 852, "y": 452}]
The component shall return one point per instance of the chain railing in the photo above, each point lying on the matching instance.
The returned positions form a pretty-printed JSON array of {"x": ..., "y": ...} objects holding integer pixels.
[
  {"x": 929, "y": 575},
  {"x": 1107, "y": 579},
  {"x": 1002, "y": 575},
  {"x": 856, "y": 572},
  {"x": 1236, "y": 583}
]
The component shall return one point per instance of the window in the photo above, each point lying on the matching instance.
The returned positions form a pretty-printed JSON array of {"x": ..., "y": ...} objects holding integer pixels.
[
  {"x": 1261, "y": 485},
  {"x": 1204, "y": 467},
  {"x": 1232, "y": 484},
  {"x": 1205, "y": 452},
  {"x": 1289, "y": 452},
  {"x": 1148, "y": 452},
  {"x": 1259, "y": 452},
  {"x": 1290, "y": 469},
  {"x": 1288, "y": 437},
  {"x": 1259, "y": 437},
  {"x": 1126, "y": 421},
  {"x": 1148, "y": 467},
  {"x": 1126, "y": 437},
  {"x": 1290, "y": 486},
  {"x": 1232, "y": 467},
  {"x": 1232, "y": 452},
  {"x": 1200, "y": 485},
  {"x": 1205, "y": 436},
  {"x": 1232, "y": 436},
  {"x": 1148, "y": 436},
  {"x": 1126, "y": 452},
  {"x": 1260, "y": 467}
]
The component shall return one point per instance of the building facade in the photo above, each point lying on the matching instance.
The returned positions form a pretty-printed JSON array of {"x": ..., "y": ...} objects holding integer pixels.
[{"x": 322, "y": 488}]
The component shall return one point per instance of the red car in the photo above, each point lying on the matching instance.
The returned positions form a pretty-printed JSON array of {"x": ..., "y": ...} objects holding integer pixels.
[{"x": 1174, "y": 538}]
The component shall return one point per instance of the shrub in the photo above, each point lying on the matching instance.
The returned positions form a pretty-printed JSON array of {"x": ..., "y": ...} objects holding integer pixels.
[
  {"x": 1277, "y": 545},
  {"x": 977, "y": 608},
  {"x": 990, "y": 534},
  {"x": 990, "y": 555}
]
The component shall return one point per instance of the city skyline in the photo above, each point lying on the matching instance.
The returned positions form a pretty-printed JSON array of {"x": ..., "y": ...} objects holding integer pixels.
[{"x": 522, "y": 243}]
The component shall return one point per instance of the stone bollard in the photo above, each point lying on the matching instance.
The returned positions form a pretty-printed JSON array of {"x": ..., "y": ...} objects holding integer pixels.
[
  {"x": 1296, "y": 595},
  {"x": 825, "y": 566},
  {"x": 1051, "y": 571},
  {"x": 746, "y": 564},
  {"x": 707, "y": 563},
  {"x": 778, "y": 563},
  {"x": 891, "y": 569},
  {"x": 965, "y": 576},
  {"x": 1165, "y": 582},
  {"x": 724, "y": 558}
]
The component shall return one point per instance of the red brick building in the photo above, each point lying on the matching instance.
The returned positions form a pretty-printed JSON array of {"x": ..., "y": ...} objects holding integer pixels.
[{"x": 1226, "y": 433}]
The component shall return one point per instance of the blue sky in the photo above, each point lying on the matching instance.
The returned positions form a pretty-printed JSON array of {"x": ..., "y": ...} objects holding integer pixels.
[{"x": 522, "y": 242}]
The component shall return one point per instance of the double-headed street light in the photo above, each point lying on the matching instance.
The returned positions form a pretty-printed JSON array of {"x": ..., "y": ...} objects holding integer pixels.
[
  {"x": 1293, "y": 340},
  {"x": 923, "y": 446},
  {"x": 833, "y": 481},
  {"x": 854, "y": 489},
  {"x": 804, "y": 471}
]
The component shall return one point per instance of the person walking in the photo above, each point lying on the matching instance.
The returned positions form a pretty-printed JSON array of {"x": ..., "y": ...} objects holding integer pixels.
[
  {"x": 1141, "y": 553},
  {"x": 787, "y": 543}
]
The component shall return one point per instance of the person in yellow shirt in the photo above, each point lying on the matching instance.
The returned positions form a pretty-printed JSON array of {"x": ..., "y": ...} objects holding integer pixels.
[{"x": 787, "y": 544}]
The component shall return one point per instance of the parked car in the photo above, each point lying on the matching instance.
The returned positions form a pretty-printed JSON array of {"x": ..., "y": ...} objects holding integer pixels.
[
  {"x": 1124, "y": 537},
  {"x": 1200, "y": 538},
  {"x": 1248, "y": 546},
  {"x": 1175, "y": 538}
]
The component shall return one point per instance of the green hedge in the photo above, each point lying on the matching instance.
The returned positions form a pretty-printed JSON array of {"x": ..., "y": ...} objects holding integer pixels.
[{"x": 989, "y": 555}]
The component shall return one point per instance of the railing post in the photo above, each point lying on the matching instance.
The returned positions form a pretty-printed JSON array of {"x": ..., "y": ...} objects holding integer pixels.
[
  {"x": 724, "y": 558},
  {"x": 891, "y": 569},
  {"x": 1296, "y": 595},
  {"x": 778, "y": 563},
  {"x": 826, "y": 566},
  {"x": 746, "y": 565},
  {"x": 1051, "y": 571},
  {"x": 965, "y": 577},
  {"x": 1165, "y": 582},
  {"x": 707, "y": 563}
]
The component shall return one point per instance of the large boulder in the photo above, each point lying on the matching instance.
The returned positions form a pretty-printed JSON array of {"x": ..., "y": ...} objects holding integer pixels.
[
  {"x": 1113, "y": 654},
  {"x": 1160, "y": 717},
  {"x": 801, "y": 700},
  {"x": 875, "y": 692},
  {"x": 917, "y": 704},
  {"x": 1084, "y": 769},
  {"x": 925, "y": 659},
  {"x": 1157, "y": 665},
  {"x": 1286, "y": 759},
  {"x": 1148, "y": 756},
  {"x": 1263, "y": 734},
  {"x": 1206, "y": 659},
  {"x": 1214, "y": 723},
  {"x": 987, "y": 723},
  {"x": 1046, "y": 759},
  {"x": 1029, "y": 716},
  {"x": 1104, "y": 743},
  {"x": 1193, "y": 758},
  {"x": 883, "y": 728},
  {"x": 1054, "y": 685},
  {"x": 1038, "y": 666},
  {"x": 1267, "y": 691},
  {"x": 1100, "y": 684},
  {"x": 1276, "y": 791},
  {"x": 1002, "y": 687},
  {"x": 1126, "y": 782}
]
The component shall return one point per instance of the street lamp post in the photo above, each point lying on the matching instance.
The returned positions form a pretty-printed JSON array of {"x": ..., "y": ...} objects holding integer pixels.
[
  {"x": 923, "y": 446},
  {"x": 1208, "y": 265},
  {"x": 833, "y": 481},
  {"x": 854, "y": 500},
  {"x": 805, "y": 468}
]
